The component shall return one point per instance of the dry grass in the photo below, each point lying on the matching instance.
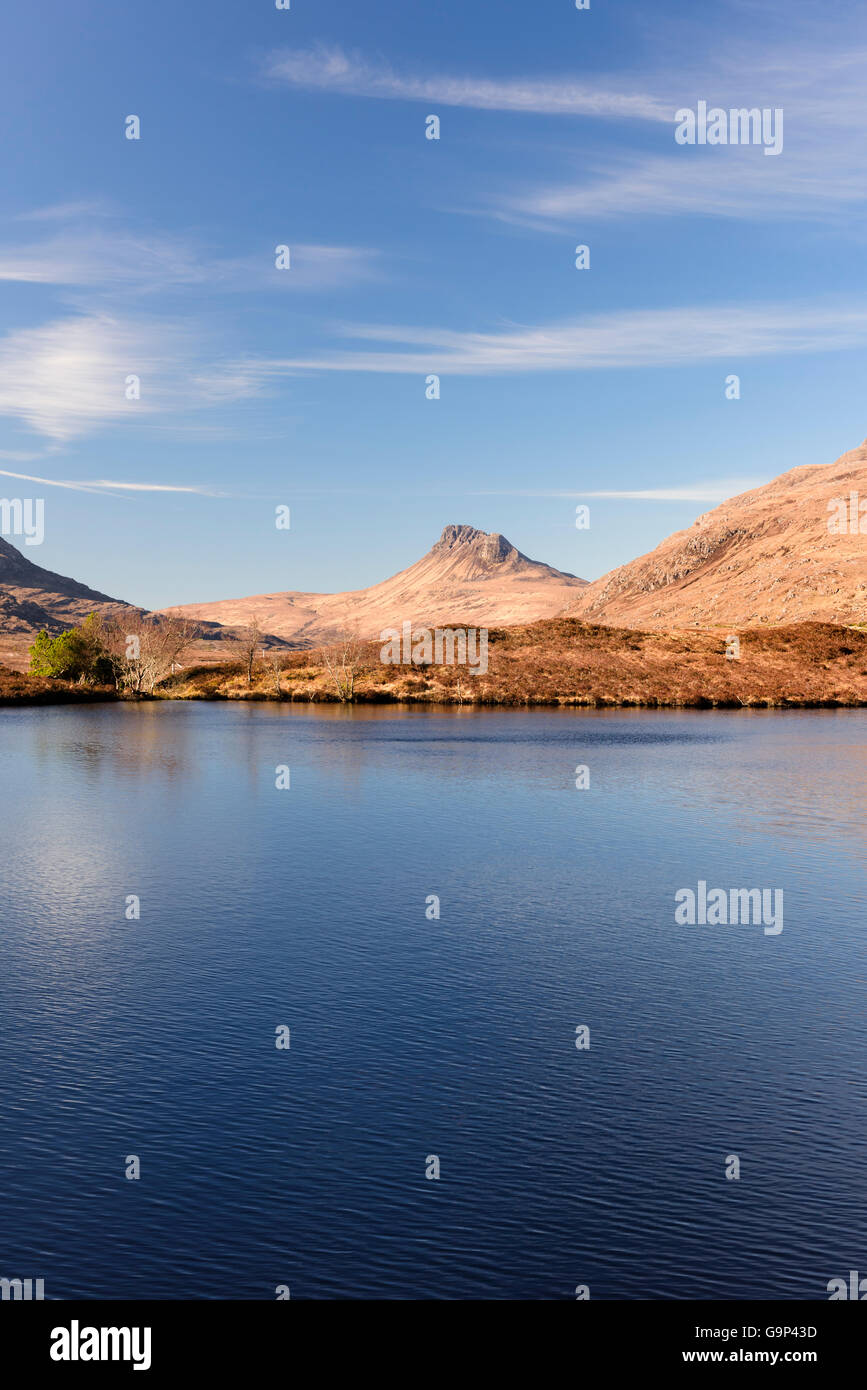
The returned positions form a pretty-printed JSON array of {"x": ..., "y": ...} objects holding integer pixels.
[
  {"x": 558, "y": 661},
  {"x": 566, "y": 661},
  {"x": 19, "y": 689}
]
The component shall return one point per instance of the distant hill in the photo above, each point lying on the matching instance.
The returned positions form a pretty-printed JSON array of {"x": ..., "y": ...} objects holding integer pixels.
[
  {"x": 32, "y": 597},
  {"x": 765, "y": 556},
  {"x": 468, "y": 576}
]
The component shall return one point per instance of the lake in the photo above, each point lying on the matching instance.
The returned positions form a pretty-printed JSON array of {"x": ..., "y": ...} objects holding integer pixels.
[{"x": 415, "y": 1037}]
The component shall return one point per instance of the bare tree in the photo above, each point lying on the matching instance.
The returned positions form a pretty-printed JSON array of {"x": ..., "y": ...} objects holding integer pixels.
[
  {"x": 246, "y": 644},
  {"x": 143, "y": 651},
  {"x": 166, "y": 641},
  {"x": 341, "y": 660},
  {"x": 275, "y": 661}
]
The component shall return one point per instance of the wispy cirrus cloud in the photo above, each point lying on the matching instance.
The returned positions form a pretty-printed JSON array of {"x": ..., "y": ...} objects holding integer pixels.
[
  {"x": 819, "y": 87},
  {"x": 65, "y": 212},
  {"x": 332, "y": 69},
  {"x": 109, "y": 485},
  {"x": 97, "y": 258},
  {"x": 91, "y": 257},
  {"x": 22, "y": 455},
  {"x": 64, "y": 378},
  {"x": 718, "y": 491},
  {"x": 637, "y": 338},
  {"x": 819, "y": 176},
  {"x": 687, "y": 492},
  {"x": 69, "y": 377},
  {"x": 815, "y": 184}
]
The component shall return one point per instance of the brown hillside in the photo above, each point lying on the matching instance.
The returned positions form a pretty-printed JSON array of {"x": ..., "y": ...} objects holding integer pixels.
[
  {"x": 32, "y": 597},
  {"x": 765, "y": 556}
]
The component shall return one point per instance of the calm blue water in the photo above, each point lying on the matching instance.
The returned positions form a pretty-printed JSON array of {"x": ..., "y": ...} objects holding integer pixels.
[{"x": 413, "y": 1037}]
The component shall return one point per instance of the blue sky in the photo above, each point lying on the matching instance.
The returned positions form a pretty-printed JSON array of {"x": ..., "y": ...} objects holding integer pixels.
[{"x": 262, "y": 127}]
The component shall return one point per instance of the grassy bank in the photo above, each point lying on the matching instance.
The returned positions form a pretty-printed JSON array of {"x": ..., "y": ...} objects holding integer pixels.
[
  {"x": 17, "y": 688},
  {"x": 559, "y": 661},
  {"x": 564, "y": 661}
]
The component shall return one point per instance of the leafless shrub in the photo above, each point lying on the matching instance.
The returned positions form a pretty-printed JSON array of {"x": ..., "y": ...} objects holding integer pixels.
[
  {"x": 145, "y": 651},
  {"x": 341, "y": 660},
  {"x": 275, "y": 663},
  {"x": 246, "y": 644}
]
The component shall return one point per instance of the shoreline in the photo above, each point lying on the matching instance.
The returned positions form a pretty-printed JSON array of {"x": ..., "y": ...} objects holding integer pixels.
[
  {"x": 553, "y": 663},
  {"x": 71, "y": 696}
]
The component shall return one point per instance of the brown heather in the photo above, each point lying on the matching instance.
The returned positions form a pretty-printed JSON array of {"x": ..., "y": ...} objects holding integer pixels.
[
  {"x": 557, "y": 661},
  {"x": 566, "y": 661}
]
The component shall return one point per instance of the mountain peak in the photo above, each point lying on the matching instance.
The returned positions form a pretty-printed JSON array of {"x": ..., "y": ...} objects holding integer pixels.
[
  {"x": 488, "y": 546},
  {"x": 456, "y": 534},
  {"x": 468, "y": 576}
]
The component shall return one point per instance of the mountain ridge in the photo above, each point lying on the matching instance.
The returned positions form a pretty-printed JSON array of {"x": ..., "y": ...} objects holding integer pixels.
[
  {"x": 32, "y": 597},
  {"x": 767, "y": 555}
]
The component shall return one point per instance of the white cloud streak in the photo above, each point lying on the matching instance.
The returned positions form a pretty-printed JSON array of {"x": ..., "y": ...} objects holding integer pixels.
[
  {"x": 47, "y": 482},
  {"x": 817, "y": 178},
  {"x": 66, "y": 378},
  {"x": 97, "y": 259},
  {"x": 818, "y": 85},
  {"x": 687, "y": 492},
  {"x": 65, "y": 212},
  {"x": 813, "y": 182},
  {"x": 639, "y": 338},
  {"x": 332, "y": 69},
  {"x": 107, "y": 485},
  {"x": 700, "y": 492},
  {"x": 155, "y": 487}
]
